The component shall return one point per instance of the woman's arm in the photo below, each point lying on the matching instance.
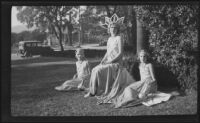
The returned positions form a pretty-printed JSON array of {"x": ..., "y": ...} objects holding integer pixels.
[
  {"x": 75, "y": 76},
  {"x": 104, "y": 59},
  {"x": 152, "y": 72},
  {"x": 120, "y": 53},
  {"x": 88, "y": 68}
]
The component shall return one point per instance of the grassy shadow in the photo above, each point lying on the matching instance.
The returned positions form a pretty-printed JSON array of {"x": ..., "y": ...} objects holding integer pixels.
[{"x": 166, "y": 80}]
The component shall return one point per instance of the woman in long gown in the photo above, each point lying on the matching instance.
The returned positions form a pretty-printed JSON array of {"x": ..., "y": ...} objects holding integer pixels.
[{"x": 109, "y": 78}]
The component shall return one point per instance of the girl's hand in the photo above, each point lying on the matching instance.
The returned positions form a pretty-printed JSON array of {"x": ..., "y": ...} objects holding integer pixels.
[
  {"x": 141, "y": 95},
  {"x": 153, "y": 81}
]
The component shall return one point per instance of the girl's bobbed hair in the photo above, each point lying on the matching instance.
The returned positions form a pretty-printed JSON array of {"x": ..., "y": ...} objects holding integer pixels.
[
  {"x": 80, "y": 51},
  {"x": 146, "y": 53}
]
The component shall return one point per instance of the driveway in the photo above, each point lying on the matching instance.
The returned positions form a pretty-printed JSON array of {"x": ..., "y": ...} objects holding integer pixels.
[{"x": 18, "y": 57}]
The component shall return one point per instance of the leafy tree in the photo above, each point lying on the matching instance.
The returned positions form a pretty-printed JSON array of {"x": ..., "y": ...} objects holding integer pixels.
[
  {"x": 129, "y": 28},
  {"x": 53, "y": 18},
  {"x": 173, "y": 37}
]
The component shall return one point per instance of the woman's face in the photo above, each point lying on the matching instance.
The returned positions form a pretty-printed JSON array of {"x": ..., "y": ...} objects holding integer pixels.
[
  {"x": 113, "y": 30},
  {"x": 143, "y": 58}
]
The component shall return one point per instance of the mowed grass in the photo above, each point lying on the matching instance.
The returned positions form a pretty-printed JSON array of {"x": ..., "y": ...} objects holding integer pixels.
[{"x": 33, "y": 94}]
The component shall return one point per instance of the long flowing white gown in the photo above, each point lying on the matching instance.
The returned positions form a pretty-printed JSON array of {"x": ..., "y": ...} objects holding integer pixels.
[
  {"x": 109, "y": 80},
  {"x": 112, "y": 83}
]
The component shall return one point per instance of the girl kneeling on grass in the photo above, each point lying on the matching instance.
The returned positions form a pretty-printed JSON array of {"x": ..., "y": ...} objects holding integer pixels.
[{"x": 81, "y": 78}]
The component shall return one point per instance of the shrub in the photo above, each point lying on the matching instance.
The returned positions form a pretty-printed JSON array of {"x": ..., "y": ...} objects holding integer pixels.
[
  {"x": 98, "y": 38},
  {"x": 173, "y": 35}
]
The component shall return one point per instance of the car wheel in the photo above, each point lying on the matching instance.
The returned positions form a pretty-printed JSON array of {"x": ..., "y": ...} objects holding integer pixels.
[
  {"x": 30, "y": 54},
  {"x": 26, "y": 54}
]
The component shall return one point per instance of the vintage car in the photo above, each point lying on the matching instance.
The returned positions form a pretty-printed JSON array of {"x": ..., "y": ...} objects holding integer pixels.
[{"x": 30, "y": 48}]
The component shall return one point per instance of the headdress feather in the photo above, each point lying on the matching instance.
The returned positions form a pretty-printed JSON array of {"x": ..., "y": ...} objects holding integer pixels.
[{"x": 112, "y": 20}]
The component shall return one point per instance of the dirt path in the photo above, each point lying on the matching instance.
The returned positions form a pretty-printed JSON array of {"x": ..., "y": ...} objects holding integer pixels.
[{"x": 14, "y": 56}]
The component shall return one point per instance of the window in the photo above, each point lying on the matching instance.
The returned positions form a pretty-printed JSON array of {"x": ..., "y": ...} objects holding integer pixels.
[
  {"x": 39, "y": 44},
  {"x": 28, "y": 44},
  {"x": 34, "y": 45}
]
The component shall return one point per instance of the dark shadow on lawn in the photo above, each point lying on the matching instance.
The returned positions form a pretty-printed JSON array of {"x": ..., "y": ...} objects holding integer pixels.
[{"x": 166, "y": 80}]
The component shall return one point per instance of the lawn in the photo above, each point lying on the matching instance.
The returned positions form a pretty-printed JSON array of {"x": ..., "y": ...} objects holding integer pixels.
[{"x": 33, "y": 94}]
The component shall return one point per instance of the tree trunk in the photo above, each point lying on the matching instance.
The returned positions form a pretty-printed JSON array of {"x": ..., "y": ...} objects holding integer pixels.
[
  {"x": 65, "y": 39},
  {"x": 70, "y": 28},
  {"x": 49, "y": 40},
  {"x": 61, "y": 45},
  {"x": 134, "y": 32},
  {"x": 59, "y": 34},
  {"x": 68, "y": 33},
  {"x": 142, "y": 37},
  {"x": 60, "y": 40},
  {"x": 82, "y": 34}
]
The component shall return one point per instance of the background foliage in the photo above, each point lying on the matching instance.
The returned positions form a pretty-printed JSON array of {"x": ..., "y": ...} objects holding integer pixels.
[
  {"x": 173, "y": 32},
  {"x": 173, "y": 38},
  {"x": 27, "y": 36}
]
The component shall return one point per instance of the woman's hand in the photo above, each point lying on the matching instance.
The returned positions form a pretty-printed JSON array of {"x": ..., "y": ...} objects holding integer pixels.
[
  {"x": 75, "y": 76},
  {"x": 102, "y": 62}
]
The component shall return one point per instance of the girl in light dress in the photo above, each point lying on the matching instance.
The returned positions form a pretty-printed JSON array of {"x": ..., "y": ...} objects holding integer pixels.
[
  {"x": 143, "y": 89},
  {"x": 81, "y": 78}
]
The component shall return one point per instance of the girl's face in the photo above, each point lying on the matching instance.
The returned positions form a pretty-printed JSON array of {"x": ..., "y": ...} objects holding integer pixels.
[
  {"x": 143, "y": 58},
  {"x": 113, "y": 30},
  {"x": 79, "y": 56}
]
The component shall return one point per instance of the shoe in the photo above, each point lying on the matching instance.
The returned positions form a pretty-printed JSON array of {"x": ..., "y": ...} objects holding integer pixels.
[
  {"x": 175, "y": 93},
  {"x": 59, "y": 88},
  {"x": 81, "y": 89},
  {"x": 99, "y": 102},
  {"x": 87, "y": 95},
  {"x": 117, "y": 106},
  {"x": 87, "y": 89}
]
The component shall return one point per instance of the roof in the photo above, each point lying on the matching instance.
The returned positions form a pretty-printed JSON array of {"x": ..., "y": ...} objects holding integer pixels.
[{"x": 30, "y": 41}]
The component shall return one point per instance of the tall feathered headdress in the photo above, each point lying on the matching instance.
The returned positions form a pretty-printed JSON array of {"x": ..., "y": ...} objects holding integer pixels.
[{"x": 114, "y": 20}]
